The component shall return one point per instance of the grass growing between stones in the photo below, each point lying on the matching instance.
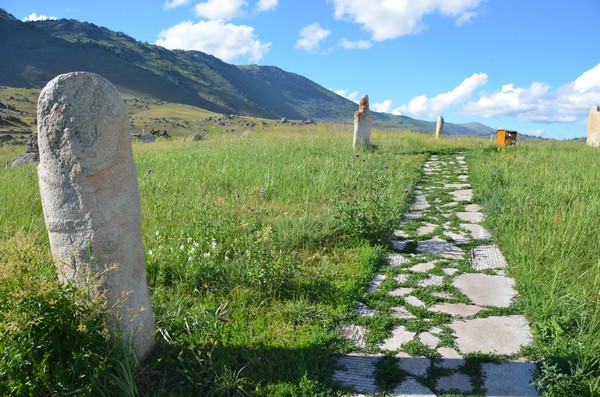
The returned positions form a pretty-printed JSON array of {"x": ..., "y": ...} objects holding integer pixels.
[
  {"x": 258, "y": 246},
  {"x": 542, "y": 203}
]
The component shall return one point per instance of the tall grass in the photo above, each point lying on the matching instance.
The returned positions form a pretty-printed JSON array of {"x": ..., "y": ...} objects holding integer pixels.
[
  {"x": 257, "y": 247},
  {"x": 542, "y": 202}
]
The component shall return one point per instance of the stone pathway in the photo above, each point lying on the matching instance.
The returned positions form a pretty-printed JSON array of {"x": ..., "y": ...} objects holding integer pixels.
[{"x": 445, "y": 302}]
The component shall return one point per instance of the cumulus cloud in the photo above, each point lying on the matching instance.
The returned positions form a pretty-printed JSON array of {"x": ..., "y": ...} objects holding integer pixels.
[
  {"x": 383, "y": 107},
  {"x": 311, "y": 36},
  {"x": 220, "y": 9},
  {"x": 391, "y": 19},
  {"x": 537, "y": 132},
  {"x": 567, "y": 104},
  {"x": 266, "y": 5},
  {"x": 353, "y": 96},
  {"x": 422, "y": 106},
  {"x": 174, "y": 4},
  {"x": 225, "y": 41},
  {"x": 35, "y": 17},
  {"x": 352, "y": 45}
]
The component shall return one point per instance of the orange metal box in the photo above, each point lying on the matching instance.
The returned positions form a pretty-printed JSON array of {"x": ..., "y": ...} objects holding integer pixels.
[{"x": 506, "y": 138}]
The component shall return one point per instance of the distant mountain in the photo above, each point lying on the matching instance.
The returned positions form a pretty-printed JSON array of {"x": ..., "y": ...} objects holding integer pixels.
[{"x": 35, "y": 52}]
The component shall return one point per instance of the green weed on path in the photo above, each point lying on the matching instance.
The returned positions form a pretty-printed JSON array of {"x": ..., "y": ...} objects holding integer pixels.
[{"x": 542, "y": 203}]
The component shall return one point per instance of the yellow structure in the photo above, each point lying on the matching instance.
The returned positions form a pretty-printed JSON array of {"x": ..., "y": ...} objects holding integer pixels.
[{"x": 506, "y": 138}]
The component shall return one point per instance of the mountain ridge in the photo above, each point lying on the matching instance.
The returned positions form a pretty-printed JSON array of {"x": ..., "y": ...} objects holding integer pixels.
[{"x": 38, "y": 51}]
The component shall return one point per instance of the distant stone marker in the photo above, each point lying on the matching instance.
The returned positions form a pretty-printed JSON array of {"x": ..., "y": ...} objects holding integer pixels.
[
  {"x": 362, "y": 123},
  {"x": 91, "y": 198},
  {"x": 439, "y": 127},
  {"x": 593, "y": 135}
]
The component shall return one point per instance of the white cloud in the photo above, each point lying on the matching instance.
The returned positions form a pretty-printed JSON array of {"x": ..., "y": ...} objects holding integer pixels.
[
  {"x": 266, "y": 5},
  {"x": 311, "y": 37},
  {"x": 353, "y": 96},
  {"x": 567, "y": 104},
  {"x": 225, "y": 41},
  {"x": 35, "y": 17},
  {"x": 351, "y": 45},
  {"x": 220, "y": 9},
  {"x": 384, "y": 107},
  {"x": 422, "y": 106},
  {"x": 465, "y": 18},
  {"x": 537, "y": 132},
  {"x": 174, "y": 4},
  {"x": 389, "y": 19}
]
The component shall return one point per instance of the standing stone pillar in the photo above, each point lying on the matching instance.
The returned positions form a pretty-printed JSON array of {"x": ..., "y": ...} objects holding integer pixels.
[
  {"x": 439, "y": 127},
  {"x": 362, "y": 123},
  {"x": 91, "y": 198},
  {"x": 593, "y": 135}
]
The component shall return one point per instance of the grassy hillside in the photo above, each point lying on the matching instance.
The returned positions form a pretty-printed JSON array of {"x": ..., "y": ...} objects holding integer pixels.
[{"x": 258, "y": 245}]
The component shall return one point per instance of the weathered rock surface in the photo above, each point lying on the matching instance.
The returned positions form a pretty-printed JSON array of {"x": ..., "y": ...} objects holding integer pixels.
[
  {"x": 362, "y": 123},
  {"x": 439, "y": 127},
  {"x": 91, "y": 198},
  {"x": 593, "y": 135}
]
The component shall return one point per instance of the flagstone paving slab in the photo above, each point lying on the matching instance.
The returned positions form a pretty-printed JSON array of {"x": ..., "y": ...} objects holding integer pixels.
[
  {"x": 356, "y": 333},
  {"x": 493, "y": 335},
  {"x": 414, "y": 301},
  {"x": 477, "y": 231},
  {"x": 422, "y": 267},
  {"x": 429, "y": 340},
  {"x": 416, "y": 366},
  {"x": 412, "y": 388},
  {"x": 439, "y": 247},
  {"x": 397, "y": 259},
  {"x": 458, "y": 382},
  {"x": 471, "y": 217},
  {"x": 364, "y": 311},
  {"x": 400, "y": 335},
  {"x": 486, "y": 290},
  {"x": 403, "y": 291},
  {"x": 426, "y": 229},
  {"x": 456, "y": 309},
  {"x": 509, "y": 379},
  {"x": 431, "y": 280},
  {"x": 462, "y": 195},
  {"x": 487, "y": 257},
  {"x": 357, "y": 372},
  {"x": 401, "y": 312},
  {"x": 450, "y": 358}
]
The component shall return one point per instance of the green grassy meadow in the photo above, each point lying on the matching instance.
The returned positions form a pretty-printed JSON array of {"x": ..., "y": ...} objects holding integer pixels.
[{"x": 259, "y": 244}]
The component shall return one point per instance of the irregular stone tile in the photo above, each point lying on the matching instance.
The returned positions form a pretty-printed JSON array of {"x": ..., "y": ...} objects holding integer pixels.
[
  {"x": 450, "y": 358},
  {"x": 397, "y": 260},
  {"x": 493, "y": 335},
  {"x": 439, "y": 247},
  {"x": 450, "y": 204},
  {"x": 399, "y": 336},
  {"x": 422, "y": 267},
  {"x": 364, "y": 311},
  {"x": 486, "y": 290},
  {"x": 355, "y": 333},
  {"x": 450, "y": 270},
  {"x": 398, "y": 245},
  {"x": 456, "y": 309},
  {"x": 401, "y": 291},
  {"x": 463, "y": 177},
  {"x": 473, "y": 208},
  {"x": 416, "y": 366},
  {"x": 400, "y": 233},
  {"x": 435, "y": 331},
  {"x": 414, "y": 301},
  {"x": 401, "y": 312},
  {"x": 429, "y": 340},
  {"x": 458, "y": 382},
  {"x": 471, "y": 217},
  {"x": 509, "y": 379},
  {"x": 376, "y": 282},
  {"x": 462, "y": 195},
  {"x": 443, "y": 295},
  {"x": 401, "y": 278},
  {"x": 457, "y": 237},
  {"x": 456, "y": 185},
  {"x": 432, "y": 280},
  {"x": 412, "y": 388},
  {"x": 487, "y": 257},
  {"x": 477, "y": 231},
  {"x": 413, "y": 215},
  {"x": 426, "y": 229},
  {"x": 357, "y": 372}
]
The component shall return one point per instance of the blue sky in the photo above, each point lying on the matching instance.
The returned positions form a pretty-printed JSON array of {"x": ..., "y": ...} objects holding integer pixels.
[{"x": 528, "y": 65}]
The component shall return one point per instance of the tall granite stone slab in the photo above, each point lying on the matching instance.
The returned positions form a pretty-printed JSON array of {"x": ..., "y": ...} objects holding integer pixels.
[
  {"x": 91, "y": 198},
  {"x": 593, "y": 135},
  {"x": 362, "y": 123},
  {"x": 439, "y": 127}
]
